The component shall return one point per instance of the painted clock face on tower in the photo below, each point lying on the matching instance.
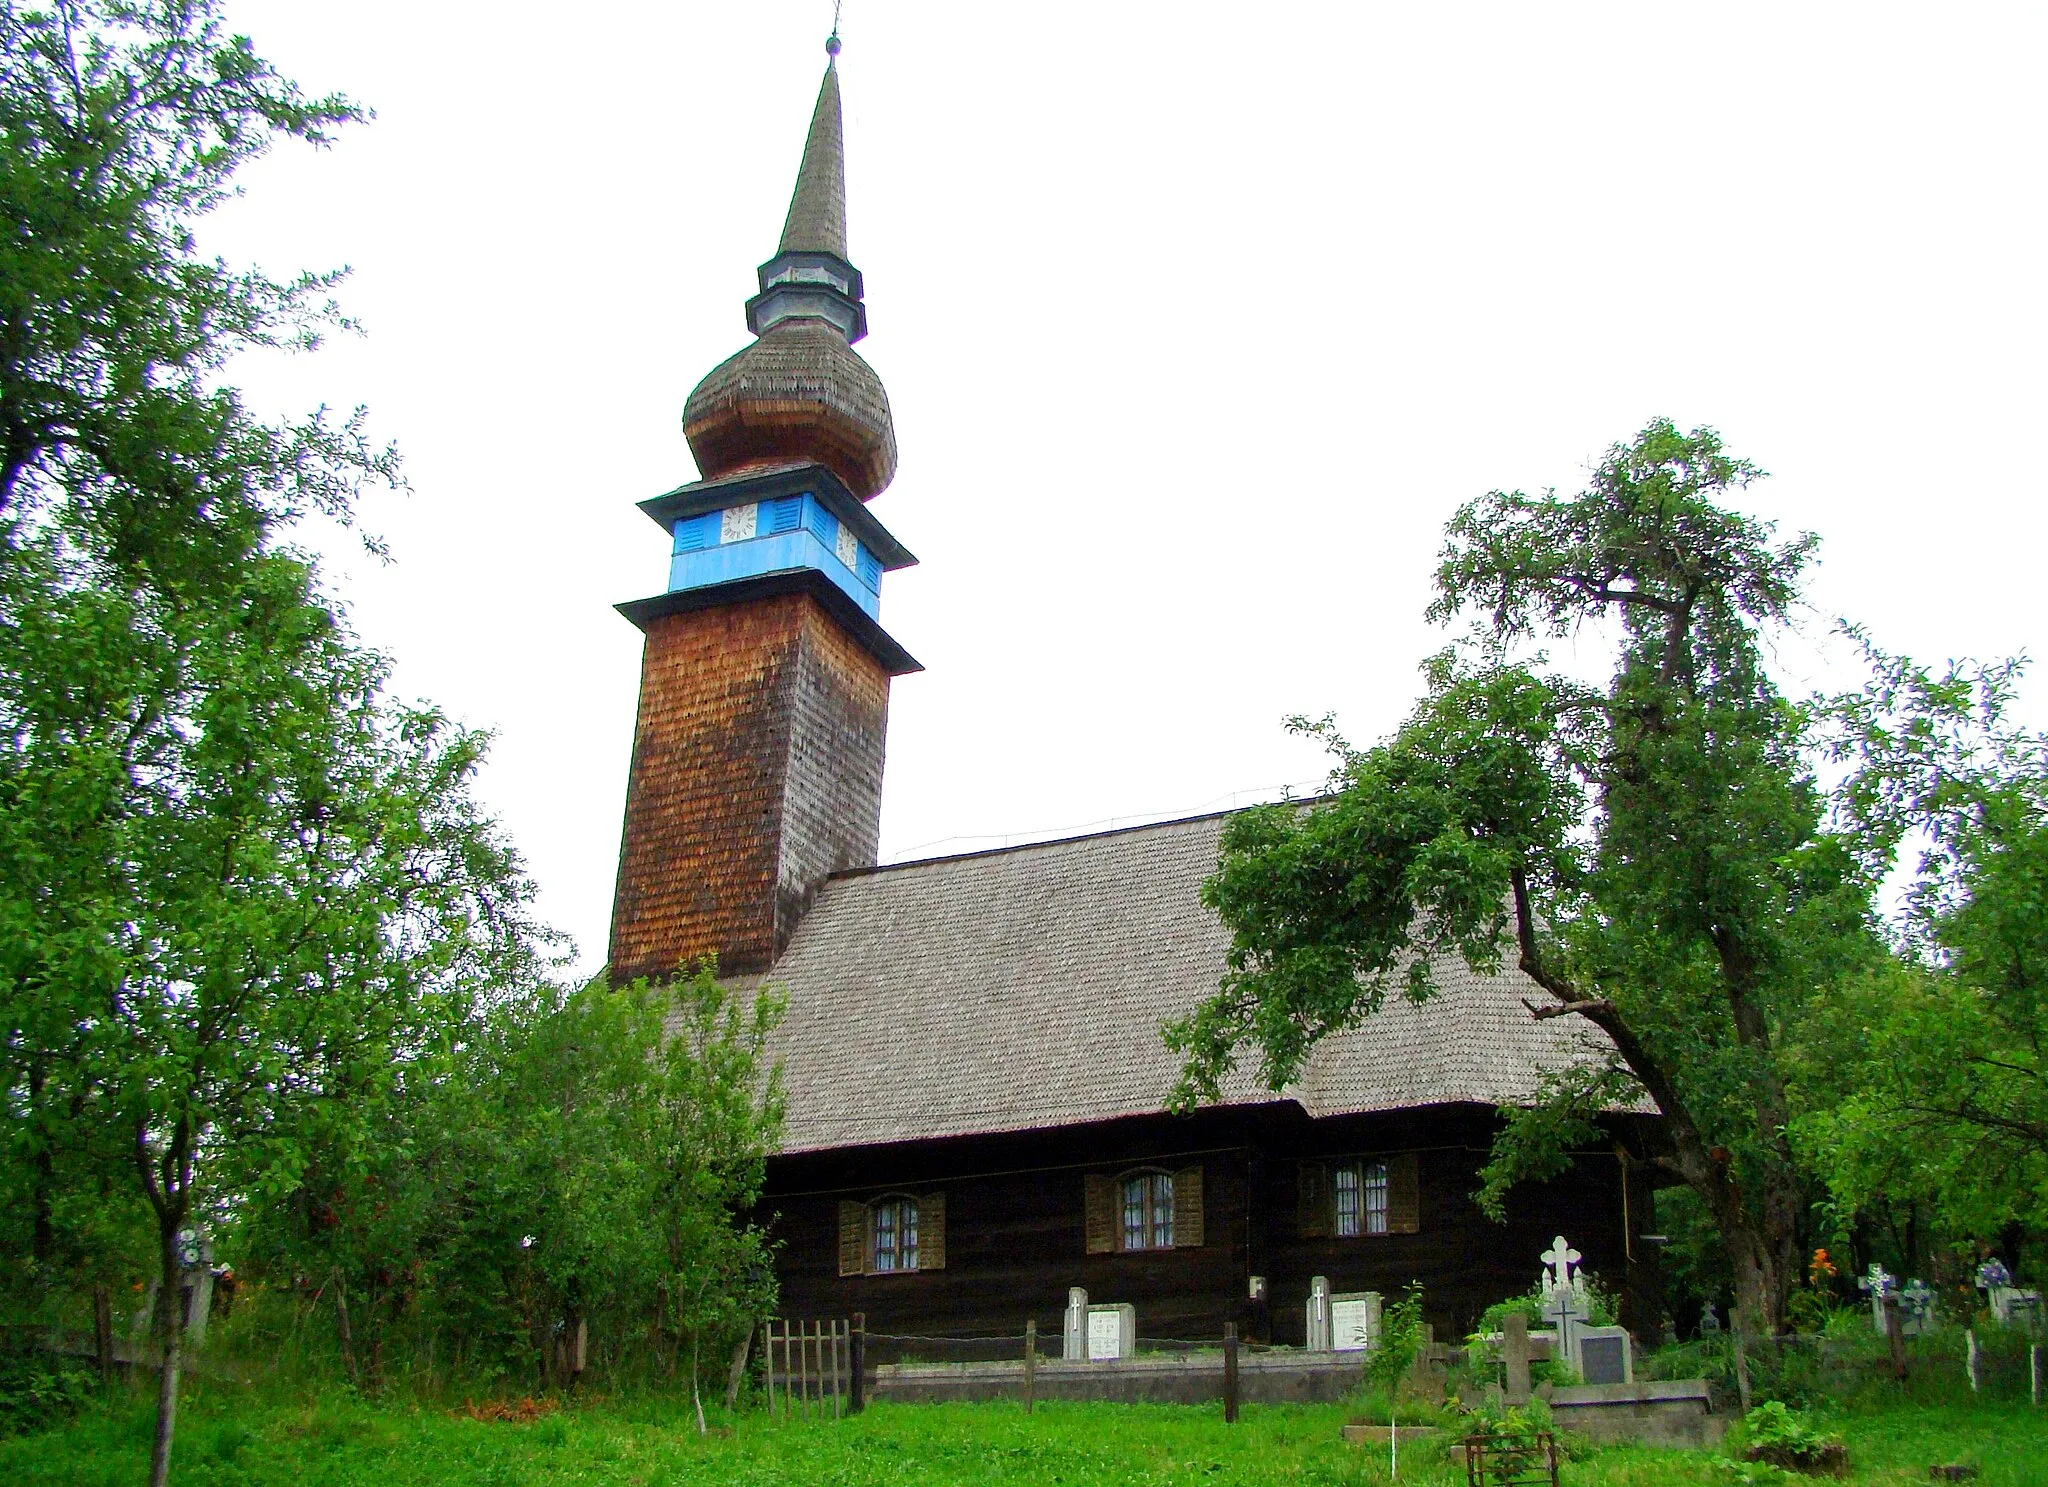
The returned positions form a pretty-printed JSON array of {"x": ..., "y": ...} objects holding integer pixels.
[{"x": 737, "y": 523}]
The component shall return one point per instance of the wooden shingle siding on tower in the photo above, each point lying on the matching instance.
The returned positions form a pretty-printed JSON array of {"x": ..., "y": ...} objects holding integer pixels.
[
  {"x": 757, "y": 772},
  {"x": 800, "y": 392}
]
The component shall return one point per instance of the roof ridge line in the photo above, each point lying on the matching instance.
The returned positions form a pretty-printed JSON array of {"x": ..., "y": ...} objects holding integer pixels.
[{"x": 1060, "y": 841}]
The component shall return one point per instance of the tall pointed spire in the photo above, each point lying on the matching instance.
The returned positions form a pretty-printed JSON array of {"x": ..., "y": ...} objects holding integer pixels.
[
  {"x": 800, "y": 392},
  {"x": 817, "y": 209}
]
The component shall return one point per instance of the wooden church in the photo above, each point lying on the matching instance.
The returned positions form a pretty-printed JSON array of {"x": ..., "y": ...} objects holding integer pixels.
[{"x": 975, "y": 1074}]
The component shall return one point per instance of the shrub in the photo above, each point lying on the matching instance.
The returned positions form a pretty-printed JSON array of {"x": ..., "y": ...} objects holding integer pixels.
[
  {"x": 37, "y": 1392},
  {"x": 1778, "y": 1435}
]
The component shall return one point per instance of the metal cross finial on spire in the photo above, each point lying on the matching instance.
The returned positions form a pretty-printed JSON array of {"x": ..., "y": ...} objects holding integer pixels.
[{"x": 832, "y": 41}]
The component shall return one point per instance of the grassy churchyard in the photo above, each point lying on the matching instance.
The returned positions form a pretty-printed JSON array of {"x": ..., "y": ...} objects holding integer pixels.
[{"x": 230, "y": 1437}]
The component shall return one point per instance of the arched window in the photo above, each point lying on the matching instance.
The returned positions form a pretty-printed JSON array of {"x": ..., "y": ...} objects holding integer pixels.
[
  {"x": 1142, "y": 1209},
  {"x": 1147, "y": 1205},
  {"x": 892, "y": 1234}
]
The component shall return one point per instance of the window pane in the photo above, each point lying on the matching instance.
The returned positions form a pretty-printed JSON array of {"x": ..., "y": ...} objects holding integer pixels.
[
  {"x": 896, "y": 1234},
  {"x": 1162, "y": 1210},
  {"x": 1135, "y": 1203},
  {"x": 885, "y": 1236},
  {"x": 1375, "y": 1175},
  {"x": 1347, "y": 1202}
]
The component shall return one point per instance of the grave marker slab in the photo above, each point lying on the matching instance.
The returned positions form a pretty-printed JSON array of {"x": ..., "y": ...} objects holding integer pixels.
[
  {"x": 1355, "y": 1321},
  {"x": 1601, "y": 1355},
  {"x": 1319, "y": 1314},
  {"x": 1112, "y": 1331},
  {"x": 1514, "y": 1352}
]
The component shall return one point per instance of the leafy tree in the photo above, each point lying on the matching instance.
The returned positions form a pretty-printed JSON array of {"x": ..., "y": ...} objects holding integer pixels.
[
  {"x": 1652, "y": 851},
  {"x": 565, "y": 1164},
  {"x": 233, "y": 881},
  {"x": 1929, "y": 1079}
]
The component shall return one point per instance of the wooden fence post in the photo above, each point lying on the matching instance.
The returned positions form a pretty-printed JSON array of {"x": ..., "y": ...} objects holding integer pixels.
[
  {"x": 857, "y": 1365},
  {"x": 1030, "y": 1362},
  {"x": 1230, "y": 1373},
  {"x": 1971, "y": 1357}
]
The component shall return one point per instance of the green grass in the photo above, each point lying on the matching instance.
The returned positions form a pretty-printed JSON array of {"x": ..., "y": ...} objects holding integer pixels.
[{"x": 229, "y": 1438}]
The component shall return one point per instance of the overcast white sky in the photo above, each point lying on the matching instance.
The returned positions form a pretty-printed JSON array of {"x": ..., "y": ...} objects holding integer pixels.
[{"x": 1198, "y": 322}]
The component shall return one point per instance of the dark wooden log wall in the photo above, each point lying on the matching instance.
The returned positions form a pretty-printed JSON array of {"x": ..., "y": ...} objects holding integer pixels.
[{"x": 1015, "y": 1236}]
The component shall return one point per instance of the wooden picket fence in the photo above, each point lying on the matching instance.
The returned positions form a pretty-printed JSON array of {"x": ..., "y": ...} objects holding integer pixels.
[{"x": 810, "y": 1368}]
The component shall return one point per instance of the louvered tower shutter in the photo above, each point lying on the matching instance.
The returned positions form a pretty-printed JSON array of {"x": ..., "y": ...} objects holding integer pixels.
[
  {"x": 1187, "y": 1208},
  {"x": 931, "y": 1232},
  {"x": 1099, "y": 1213},
  {"x": 1314, "y": 1217},
  {"x": 853, "y": 1238},
  {"x": 1404, "y": 1193}
]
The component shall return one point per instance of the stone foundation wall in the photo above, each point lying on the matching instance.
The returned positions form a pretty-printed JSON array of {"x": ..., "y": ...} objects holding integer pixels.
[{"x": 1262, "y": 1378}]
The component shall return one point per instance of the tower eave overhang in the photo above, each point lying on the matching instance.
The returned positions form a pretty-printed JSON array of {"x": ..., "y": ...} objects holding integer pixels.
[
  {"x": 878, "y": 642},
  {"x": 790, "y": 479}
]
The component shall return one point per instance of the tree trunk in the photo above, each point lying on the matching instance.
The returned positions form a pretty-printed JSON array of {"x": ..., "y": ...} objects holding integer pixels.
[
  {"x": 342, "y": 1329},
  {"x": 736, "y": 1374},
  {"x": 103, "y": 1331},
  {"x": 43, "y": 1231},
  {"x": 170, "y": 1331}
]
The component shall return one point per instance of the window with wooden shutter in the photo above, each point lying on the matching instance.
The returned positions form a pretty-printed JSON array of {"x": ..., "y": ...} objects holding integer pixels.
[
  {"x": 893, "y": 1237},
  {"x": 853, "y": 1238},
  {"x": 1404, "y": 1193},
  {"x": 1187, "y": 1208},
  {"x": 1099, "y": 1213},
  {"x": 931, "y": 1232},
  {"x": 1314, "y": 1194}
]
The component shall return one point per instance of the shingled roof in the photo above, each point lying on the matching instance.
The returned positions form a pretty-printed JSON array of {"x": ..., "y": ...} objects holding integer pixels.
[{"x": 1022, "y": 988}]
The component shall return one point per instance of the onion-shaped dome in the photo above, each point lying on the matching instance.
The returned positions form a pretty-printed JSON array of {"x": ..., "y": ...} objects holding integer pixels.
[{"x": 798, "y": 393}]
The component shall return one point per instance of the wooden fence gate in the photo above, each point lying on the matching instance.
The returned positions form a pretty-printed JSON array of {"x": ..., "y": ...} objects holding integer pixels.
[{"x": 808, "y": 1367}]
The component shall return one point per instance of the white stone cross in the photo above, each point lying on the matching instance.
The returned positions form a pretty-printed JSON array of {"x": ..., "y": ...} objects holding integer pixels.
[
  {"x": 1879, "y": 1285},
  {"x": 1564, "y": 1305},
  {"x": 1560, "y": 1257}
]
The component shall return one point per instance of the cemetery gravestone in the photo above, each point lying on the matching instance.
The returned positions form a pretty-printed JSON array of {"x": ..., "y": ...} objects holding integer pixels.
[
  {"x": 1878, "y": 1285},
  {"x": 1565, "y": 1304},
  {"x": 1916, "y": 1309},
  {"x": 2010, "y": 1306},
  {"x": 1112, "y": 1332},
  {"x": 1074, "y": 1329},
  {"x": 1319, "y": 1314},
  {"x": 1514, "y": 1352},
  {"x": 1355, "y": 1321},
  {"x": 1601, "y": 1355}
]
